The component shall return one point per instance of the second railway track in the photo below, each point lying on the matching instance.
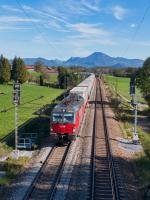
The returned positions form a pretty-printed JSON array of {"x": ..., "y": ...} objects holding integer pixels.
[
  {"x": 105, "y": 178},
  {"x": 45, "y": 183}
]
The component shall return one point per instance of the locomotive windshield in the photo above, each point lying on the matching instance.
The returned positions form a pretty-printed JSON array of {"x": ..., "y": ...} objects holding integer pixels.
[
  {"x": 68, "y": 118},
  {"x": 63, "y": 117},
  {"x": 57, "y": 117}
]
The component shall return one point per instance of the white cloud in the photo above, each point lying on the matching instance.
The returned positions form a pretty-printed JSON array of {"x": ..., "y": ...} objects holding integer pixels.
[
  {"x": 12, "y": 28},
  {"x": 53, "y": 24},
  {"x": 119, "y": 12},
  {"x": 132, "y": 25},
  {"x": 45, "y": 14},
  {"x": 94, "y": 6},
  {"x": 88, "y": 29},
  {"x": 81, "y": 7},
  {"x": 10, "y": 8},
  {"x": 6, "y": 19}
]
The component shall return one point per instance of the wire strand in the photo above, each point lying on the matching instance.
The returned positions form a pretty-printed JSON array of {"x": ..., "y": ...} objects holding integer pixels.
[
  {"x": 35, "y": 26},
  {"x": 137, "y": 29}
]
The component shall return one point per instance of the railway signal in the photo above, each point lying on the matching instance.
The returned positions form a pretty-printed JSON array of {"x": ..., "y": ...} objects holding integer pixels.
[
  {"x": 132, "y": 86},
  {"x": 16, "y": 101},
  {"x": 134, "y": 104}
]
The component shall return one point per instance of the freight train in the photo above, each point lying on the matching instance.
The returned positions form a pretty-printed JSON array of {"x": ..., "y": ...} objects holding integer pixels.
[{"x": 67, "y": 116}]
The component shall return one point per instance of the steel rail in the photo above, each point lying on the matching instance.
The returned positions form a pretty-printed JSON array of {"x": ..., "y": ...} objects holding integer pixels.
[
  {"x": 115, "y": 187},
  {"x": 31, "y": 188},
  {"x": 59, "y": 173},
  {"x": 93, "y": 150},
  {"x": 112, "y": 172}
]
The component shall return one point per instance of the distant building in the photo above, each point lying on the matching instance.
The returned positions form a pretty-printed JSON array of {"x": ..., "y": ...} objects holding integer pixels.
[
  {"x": 47, "y": 70},
  {"x": 30, "y": 67},
  {"x": 44, "y": 69}
]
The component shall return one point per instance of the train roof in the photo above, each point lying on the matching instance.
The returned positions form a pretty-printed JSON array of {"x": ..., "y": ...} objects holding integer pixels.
[
  {"x": 78, "y": 89},
  {"x": 71, "y": 103}
]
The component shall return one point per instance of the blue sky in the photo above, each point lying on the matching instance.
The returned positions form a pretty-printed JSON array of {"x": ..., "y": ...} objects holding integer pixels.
[{"x": 64, "y": 28}]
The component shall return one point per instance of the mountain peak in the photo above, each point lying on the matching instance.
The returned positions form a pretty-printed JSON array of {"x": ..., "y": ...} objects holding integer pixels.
[{"x": 94, "y": 60}]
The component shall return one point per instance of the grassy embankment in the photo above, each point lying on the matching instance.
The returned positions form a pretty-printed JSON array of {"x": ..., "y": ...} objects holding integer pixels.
[
  {"x": 33, "y": 97},
  {"x": 124, "y": 114}
]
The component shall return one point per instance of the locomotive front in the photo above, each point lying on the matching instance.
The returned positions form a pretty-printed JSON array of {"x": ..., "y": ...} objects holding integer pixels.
[
  {"x": 63, "y": 124},
  {"x": 65, "y": 118}
]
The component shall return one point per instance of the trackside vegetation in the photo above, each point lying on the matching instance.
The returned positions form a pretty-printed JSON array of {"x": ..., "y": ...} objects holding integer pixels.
[
  {"x": 121, "y": 86},
  {"x": 125, "y": 116}
]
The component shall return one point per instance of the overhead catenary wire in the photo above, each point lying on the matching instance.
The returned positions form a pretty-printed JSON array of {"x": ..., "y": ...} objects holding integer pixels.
[
  {"x": 137, "y": 29},
  {"x": 35, "y": 25}
]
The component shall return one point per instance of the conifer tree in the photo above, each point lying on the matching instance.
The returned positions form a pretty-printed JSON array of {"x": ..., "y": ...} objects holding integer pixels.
[
  {"x": 19, "y": 71},
  {"x": 5, "y": 71},
  {"x": 1, "y": 66}
]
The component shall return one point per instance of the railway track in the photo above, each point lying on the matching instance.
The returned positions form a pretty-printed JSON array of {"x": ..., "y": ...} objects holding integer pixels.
[
  {"x": 46, "y": 181},
  {"x": 105, "y": 179}
]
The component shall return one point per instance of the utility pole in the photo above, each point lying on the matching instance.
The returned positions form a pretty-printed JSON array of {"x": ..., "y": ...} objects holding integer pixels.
[
  {"x": 16, "y": 100},
  {"x": 116, "y": 91},
  {"x": 134, "y": 104}
]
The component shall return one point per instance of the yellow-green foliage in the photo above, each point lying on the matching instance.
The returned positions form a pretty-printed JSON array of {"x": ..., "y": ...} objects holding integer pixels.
[
  {"x": 4, "y": 149},
  {"x": 13, "y": 166}
]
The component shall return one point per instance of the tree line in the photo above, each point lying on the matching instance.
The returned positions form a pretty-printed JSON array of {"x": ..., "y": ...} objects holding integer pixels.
[
  {"x": 68, "y": 77},
  {"x": 15, "y": 71}
]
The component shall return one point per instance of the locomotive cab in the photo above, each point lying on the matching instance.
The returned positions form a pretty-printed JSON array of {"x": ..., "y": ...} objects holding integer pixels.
[
  {"x": 63, "y": 124},
  {"x": 66, "y": 117}
]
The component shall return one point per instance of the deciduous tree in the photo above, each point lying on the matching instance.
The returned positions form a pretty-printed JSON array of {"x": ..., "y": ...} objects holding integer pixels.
[
  {"x": 143, "y": 80},
  {"x": 38, "y": 66}
]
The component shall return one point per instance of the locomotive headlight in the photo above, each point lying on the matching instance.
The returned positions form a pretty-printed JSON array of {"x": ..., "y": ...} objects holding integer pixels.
[
  {"x": 74, "y": 130},
  {"x": 51, "y": 129}
]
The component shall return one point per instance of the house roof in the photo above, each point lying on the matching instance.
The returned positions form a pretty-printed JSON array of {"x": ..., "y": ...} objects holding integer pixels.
[{"x": 29, "y": 66}]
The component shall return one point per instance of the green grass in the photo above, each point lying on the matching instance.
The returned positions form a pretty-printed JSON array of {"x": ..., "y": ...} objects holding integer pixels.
[
  {"x": 121, "y": 85},
  {"x": 36, "y": 74},
  {"x": 33, "y": 97},
  {"x": 4, "y": 150},
  {"x": 4, "y": 181},
  {"x": 53, "y": 77}
]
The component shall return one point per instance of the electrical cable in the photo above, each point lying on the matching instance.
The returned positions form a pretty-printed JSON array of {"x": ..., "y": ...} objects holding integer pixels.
[
  {"x": 137, "y": 29},
  {"x": 35, "y": 25}
]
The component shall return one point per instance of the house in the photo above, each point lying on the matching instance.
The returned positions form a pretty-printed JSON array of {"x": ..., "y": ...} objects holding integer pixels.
[
  {"x": 44, "y": 69},
  {"x": 47, "y": 70},
  {"x": 30, "y": 68}
]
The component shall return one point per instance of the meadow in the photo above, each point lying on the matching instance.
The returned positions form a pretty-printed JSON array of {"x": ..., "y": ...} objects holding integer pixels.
[
  {"x": 33, "y": 97},
  {"x": 121, "y": 85},
  {"x": 52, "y": 77}
]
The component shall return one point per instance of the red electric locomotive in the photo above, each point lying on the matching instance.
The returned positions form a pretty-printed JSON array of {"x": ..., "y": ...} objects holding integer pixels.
[{"x": 66, "y": 117}]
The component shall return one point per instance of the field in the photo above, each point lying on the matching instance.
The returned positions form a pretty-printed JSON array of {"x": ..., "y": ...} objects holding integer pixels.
[
  {"x": 53, "y": 77},
  {"x": 121, "y": 85},
  {"x": 33, "y": 97}
]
